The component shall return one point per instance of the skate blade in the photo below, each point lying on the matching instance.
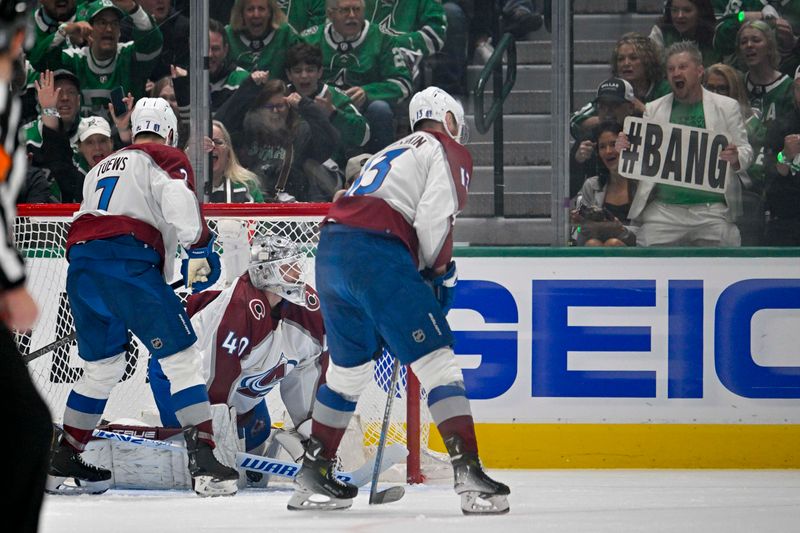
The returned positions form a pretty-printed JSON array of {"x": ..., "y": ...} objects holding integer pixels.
[
  {"x": 477, "y": 503},
  {"x": 304, "y": 500},
  {"x": 70, "y": 486},
  {"x": 207, "y": 486}
]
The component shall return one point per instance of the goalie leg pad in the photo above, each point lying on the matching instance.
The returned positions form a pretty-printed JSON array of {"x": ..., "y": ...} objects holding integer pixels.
[
  {"x": 134, "y": 466},
  {"x": 189, "y": 393}
]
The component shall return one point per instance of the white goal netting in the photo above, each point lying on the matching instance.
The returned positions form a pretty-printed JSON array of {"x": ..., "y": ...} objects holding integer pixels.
[{"x": 51, "y": 351}]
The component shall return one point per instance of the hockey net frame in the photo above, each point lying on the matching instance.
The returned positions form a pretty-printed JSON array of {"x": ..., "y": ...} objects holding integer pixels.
[{"x": 40, "y": 233}]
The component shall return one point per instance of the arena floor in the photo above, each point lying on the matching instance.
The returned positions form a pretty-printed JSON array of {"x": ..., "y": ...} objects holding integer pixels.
[{"x": 616, "y": 501}]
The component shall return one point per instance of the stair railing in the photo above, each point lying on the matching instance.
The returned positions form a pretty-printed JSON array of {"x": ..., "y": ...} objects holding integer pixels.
[{"x": 500, "y": 91}]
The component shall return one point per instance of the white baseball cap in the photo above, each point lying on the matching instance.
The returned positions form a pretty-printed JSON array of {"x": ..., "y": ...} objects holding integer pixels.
[{"x": 93, "y": 125}]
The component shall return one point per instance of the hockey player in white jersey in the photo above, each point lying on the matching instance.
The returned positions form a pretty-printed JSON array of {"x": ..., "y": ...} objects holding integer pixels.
[
  {"x": 263, "y": 331},
  {"x": 138, "y": 204},
  {"x": 385, "y": 275}
]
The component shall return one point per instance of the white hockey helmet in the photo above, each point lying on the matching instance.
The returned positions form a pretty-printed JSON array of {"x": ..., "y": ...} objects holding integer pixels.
[
  {"x": 434, "y": 103},
  {"x": 278, "y": 265},
  {"x": 155, "y": 115}
]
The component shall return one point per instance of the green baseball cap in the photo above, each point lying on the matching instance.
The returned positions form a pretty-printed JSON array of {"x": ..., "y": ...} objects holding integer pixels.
[{"x": 92, "y": 9}]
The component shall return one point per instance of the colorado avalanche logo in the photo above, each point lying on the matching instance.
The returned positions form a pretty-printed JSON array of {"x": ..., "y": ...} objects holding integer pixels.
[
  {"x": 257, "y": 308},
  {"x": 260, "y": 384},
  {"x": 312, "y": 299}
]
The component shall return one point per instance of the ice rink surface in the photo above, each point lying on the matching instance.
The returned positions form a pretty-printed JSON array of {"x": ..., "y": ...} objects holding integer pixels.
[{"x": 619, "y": 501}]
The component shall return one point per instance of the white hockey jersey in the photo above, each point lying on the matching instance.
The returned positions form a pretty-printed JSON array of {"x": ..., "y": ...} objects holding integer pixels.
[
  {"x": 144, "y": 190},
  {"x": 412, "y": 189},
  {"x": 248, "y": 348}
]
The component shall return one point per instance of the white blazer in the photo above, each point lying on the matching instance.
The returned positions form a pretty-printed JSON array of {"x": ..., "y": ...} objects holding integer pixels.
[{"x": 721, "y": 114}]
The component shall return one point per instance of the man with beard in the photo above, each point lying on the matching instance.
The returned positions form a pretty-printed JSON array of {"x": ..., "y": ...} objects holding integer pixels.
[
  {"x": 272, "y": 135},
  {"x": 677, "y": 216}
]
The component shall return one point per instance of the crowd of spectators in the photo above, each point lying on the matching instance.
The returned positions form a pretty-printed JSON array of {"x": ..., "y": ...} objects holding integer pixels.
[
  {"x": 298, "y": 88},
  {"x": 726, "y": 66}
]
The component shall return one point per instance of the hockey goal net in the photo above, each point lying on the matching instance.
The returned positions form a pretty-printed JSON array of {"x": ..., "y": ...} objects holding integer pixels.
[{"x": 51, "y": 353}]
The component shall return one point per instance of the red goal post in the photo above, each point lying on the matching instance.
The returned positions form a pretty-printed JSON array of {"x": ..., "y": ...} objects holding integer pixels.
[{"x": 40, "y": 233}]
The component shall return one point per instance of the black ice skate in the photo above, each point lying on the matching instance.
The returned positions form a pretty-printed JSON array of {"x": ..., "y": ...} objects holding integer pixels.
[
  {"x": 68, "y": 473},
  {"x": 209, "y": 476},
  {"x": 479, "y": 493},
  {"x": 316, "y": 486}
]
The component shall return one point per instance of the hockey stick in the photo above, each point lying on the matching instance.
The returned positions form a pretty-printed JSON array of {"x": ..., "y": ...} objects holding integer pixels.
[
  {"x": 392, "y": 494},
  {"x": 70, "y": 337},
  {"x": 56, "y": 344},
  {"x": 359, "y": 477},
  {"x": 259, "y": 463}
]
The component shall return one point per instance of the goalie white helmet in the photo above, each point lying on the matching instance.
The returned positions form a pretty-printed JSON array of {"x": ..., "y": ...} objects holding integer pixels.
[
  {"x": 278, "y": 265},
  {"x": 433, "y": 104},
  {"x": 155, "y": 115}
]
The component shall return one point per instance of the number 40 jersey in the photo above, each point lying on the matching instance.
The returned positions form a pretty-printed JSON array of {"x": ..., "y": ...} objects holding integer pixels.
[{"x": 413, "y": 190}]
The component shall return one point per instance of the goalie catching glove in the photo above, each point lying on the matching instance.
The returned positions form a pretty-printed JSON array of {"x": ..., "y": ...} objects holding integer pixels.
[
  {"x": 443, "y": 285},
  {"x": 201, "y": 269}
]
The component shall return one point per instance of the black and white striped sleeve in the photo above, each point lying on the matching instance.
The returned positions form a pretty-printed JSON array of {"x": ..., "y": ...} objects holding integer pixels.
[{"x": 12, "y": 175}]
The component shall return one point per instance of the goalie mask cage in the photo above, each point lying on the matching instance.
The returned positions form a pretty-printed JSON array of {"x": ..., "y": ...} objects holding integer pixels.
[{"x": 40, "y": 233}]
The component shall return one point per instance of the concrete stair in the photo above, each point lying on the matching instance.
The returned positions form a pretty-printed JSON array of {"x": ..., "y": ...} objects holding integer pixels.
[{"x": 528, "y": 126}]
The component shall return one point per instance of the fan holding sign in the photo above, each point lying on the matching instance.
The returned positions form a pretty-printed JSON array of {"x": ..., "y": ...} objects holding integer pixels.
[{"x": 684, "y": 152}]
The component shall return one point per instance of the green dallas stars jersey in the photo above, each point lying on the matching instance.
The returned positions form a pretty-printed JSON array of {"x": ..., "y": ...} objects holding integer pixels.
[
  {"x": 45, "y": 27},
  {"x": 302, "y": 14},
  {"x": 769, "y": 103},
  {"x": 371, "y": 62},
  {"x": 420, "y": 25},
  {"x": 348, "y": 120},
  {"x": 728, "y": 25},
  {"x": 129, "y": 68},
  {"x": 268, "y": 53},
  {"x": 32, "y": 133},
  {"x": 226, "y": 85}
]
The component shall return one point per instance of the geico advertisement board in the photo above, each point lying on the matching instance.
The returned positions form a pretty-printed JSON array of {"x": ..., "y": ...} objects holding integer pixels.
[{"x": 630, "y": 339}]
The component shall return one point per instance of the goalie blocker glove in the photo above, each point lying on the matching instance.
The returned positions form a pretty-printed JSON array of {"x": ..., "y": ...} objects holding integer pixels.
[
  {"x": 443, "y": 285},
  {"x": 201, "y": 269}
]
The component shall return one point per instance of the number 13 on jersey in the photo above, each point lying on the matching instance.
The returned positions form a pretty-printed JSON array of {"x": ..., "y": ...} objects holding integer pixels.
[{"x": 367, "y": 182}]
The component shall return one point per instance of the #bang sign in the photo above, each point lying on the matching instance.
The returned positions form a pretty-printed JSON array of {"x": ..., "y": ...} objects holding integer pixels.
[{"x": 673, "y": 154}]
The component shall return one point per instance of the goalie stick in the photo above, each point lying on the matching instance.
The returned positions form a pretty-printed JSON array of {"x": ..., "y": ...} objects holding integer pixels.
[
  {"x": 266, "y": 465},
  {"x": 70, "y": 337},
  {"x": 392, "y": 494}
]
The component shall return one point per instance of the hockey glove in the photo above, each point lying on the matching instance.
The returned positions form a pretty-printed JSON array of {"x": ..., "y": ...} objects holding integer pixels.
[
  {"x": 201, "y": 269},
  {"x": 444, "y": 285}
]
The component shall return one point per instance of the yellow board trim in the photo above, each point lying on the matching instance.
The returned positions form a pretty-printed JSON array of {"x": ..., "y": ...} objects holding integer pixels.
[{"x": 635, "y": 445}]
